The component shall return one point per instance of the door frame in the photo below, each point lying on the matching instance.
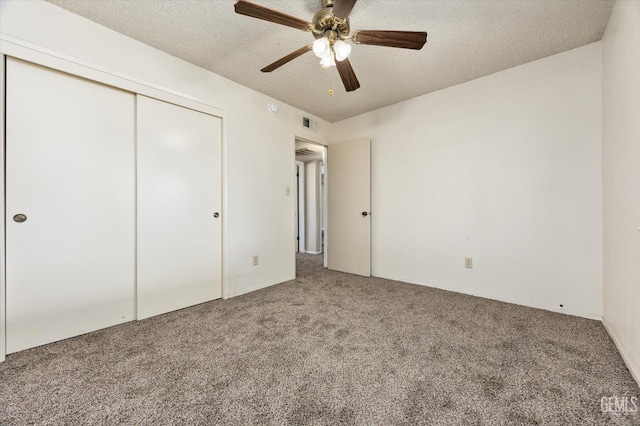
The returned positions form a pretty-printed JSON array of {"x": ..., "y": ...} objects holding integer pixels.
[
  {"x": 3, "y": 316},
  {"x": 301, "y": 201},
  {"x": 300, "y": 197},
  {"x": 11, "y": 46},
  {"x": 325, "y": 194}
]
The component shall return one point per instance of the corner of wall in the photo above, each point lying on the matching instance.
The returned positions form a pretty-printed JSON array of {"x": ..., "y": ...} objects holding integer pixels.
[
  {"x": 621, "y": 181},
  {"x": 633, "y": 369}
]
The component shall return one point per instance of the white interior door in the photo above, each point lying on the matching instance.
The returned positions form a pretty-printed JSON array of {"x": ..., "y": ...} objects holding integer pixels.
[
  {"x": 349, "y": 207},
  {"x": 179, "y": 193},
  {"x": 70, "y": 172}
]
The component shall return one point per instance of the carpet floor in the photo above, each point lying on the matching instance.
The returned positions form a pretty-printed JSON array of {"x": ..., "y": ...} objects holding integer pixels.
[{"x": 327, "y": 348}]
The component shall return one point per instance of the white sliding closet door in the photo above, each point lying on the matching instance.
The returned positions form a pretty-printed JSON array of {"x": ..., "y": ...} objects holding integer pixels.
[
  {"x": 179, "y": 199},
  {"x": 70, "y": 172}
]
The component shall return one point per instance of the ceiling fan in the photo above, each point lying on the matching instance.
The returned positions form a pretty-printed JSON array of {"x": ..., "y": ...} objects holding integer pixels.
[{"x": 330, "y": 27}]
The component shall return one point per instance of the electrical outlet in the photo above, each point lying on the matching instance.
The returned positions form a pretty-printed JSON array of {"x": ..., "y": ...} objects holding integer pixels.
[
  {"x": 255, "y": 260},
  {"x": 468, "y": 262}
]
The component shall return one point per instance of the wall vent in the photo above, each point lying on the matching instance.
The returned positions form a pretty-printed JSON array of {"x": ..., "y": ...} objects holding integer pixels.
[{"x": 310, "y": 124}]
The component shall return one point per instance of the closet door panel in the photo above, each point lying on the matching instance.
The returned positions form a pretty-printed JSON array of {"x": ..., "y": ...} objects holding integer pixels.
[
  {"x": 70, "y": 173},
  {"x": 179, "y": 191}
]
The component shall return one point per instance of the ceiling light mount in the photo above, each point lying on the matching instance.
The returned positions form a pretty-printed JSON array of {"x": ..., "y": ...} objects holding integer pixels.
[{"x": 324, "y": 20}]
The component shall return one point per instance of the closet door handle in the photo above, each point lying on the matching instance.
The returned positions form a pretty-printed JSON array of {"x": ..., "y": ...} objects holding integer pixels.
[
  {"x": 19, "y": 218},
  {"x": 216, "y": 215}
]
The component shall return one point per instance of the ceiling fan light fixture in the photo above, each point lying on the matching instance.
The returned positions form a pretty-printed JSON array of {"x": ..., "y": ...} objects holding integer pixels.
[
  {"x": 342, "y": 50},
  {"x": 330, "y": 26},
  {"x": 328, "y": 62},
  {"x": 322, "y": 48}
]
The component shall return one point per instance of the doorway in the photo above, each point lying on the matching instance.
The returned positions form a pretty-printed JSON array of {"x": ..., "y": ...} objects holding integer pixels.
[
  {"x": 340, "y": 203},
  {"x": 310, "y": 160}
]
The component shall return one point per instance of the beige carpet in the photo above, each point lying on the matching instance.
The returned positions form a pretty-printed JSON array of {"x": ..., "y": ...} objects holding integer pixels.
[{"x": 327, "y": 348}]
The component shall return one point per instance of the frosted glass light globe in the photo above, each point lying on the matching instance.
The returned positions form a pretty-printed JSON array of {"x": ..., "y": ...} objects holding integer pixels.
[
  {"x": 321, "y": 47},
  {"x": 328, "y": 61},
  {"x": 342, "y": 50}
]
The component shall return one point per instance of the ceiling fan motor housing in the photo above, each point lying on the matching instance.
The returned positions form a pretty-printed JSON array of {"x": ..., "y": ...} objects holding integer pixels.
[{"x": 324, "y": 21}]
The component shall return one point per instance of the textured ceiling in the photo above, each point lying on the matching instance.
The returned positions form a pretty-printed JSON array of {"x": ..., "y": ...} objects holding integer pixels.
[{"x": 467, "y": 39}]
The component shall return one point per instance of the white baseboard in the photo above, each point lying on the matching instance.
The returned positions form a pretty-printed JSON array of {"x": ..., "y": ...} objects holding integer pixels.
[
  {"x": 313, "y": 252},
  {"x": 635, "y": 371},
  {"x": 565, "y": 311},
  {"x": 258, "y": 287}
]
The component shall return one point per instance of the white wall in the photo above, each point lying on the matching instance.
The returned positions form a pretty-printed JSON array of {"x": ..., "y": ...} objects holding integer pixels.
[
  {"x": 505, "y": 169},
  {"x": 312, "y": 207},
  {"x": 258, "y": 147},
  {"x": 621, "y": 179}
]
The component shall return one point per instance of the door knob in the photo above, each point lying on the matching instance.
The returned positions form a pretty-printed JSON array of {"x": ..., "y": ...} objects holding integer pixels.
[
  {"x": 216, "y": 215},
  {"x": 364, "y": 214},
  {"x": 19, "y": 218}
]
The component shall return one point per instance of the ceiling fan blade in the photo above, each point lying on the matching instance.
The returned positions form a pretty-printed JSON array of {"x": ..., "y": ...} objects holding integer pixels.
[
  {"x": 290, "y": 57},
  {"x": 256, "y": 11},
  {"x": 342, "y": 8},
  {"x": 347, "y": 75},
  {"x": 403, "y": 39}
]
